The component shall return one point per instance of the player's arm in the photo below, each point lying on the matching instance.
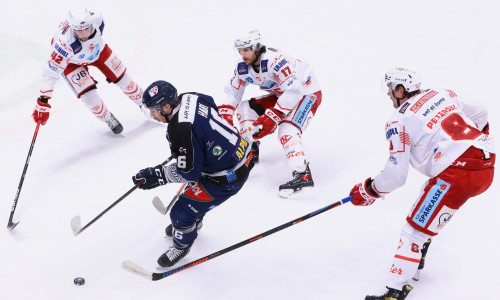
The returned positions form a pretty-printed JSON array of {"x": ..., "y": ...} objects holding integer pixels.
[
  {"x": 475, "y": 111},
  {"x": 394, "y": 173},
  {"x": 233, "y": 91}
]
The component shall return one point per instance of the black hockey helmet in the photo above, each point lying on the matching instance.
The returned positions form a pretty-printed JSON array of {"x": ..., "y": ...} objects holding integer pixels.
[{"x": 159, "y": 93}]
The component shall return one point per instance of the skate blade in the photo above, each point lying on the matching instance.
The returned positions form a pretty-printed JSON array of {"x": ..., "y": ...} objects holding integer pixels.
[
  {"x": 289, "y": 193},
  {"x": 416, "y": 277}
]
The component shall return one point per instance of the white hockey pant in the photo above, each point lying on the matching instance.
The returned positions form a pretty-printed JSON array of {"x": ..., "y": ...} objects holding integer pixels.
[
  {"x": 288, "y": 134},
  {"x": 95, "y": 104},
  {"x": 131, "y": 89},
  {"x": 407, "y": 257}
]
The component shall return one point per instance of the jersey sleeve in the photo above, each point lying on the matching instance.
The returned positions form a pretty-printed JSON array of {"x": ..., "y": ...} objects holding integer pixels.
[
  {"x": 289, "y": 83},
  {"x": 60, "y": 54},
  {"x": 186, "y": 149},
  {"x": 396, "y": 168},
  {"x": 475, "y": 111},
  {"x": 234, "y": 90}
]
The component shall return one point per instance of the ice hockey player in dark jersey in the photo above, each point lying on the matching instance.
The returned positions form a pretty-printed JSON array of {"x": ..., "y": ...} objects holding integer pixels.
[{"x": 211, "y": 157}]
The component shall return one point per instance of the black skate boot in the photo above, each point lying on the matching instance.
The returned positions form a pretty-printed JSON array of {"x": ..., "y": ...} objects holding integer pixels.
[
  {"x": 421, "y": 265},
  {"x": 392, "y": 294},
  {"x": 169, "y": 231},
  {"x": 114, "y": 124},
  {"x": 172, "y": 256},
  {"x": 300, "y": 181}
]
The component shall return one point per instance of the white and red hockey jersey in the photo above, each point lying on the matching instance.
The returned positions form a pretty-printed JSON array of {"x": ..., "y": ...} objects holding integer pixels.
[
  {"x": 281, "y": 74},
  {"x": 67, "y": 48},
  {"x": 430, "y": 131}
]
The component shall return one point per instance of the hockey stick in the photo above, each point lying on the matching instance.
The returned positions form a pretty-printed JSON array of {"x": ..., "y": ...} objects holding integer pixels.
[
  {"x": 158, "y": 204},
  {"x": 76, "y": 221},
  {"x": 11, "y": 224},
  {"x": 140, "y": 271}
]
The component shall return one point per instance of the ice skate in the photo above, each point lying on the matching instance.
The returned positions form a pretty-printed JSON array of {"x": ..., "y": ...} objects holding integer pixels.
[
  {"x": 114, "y": 124},
  {"x": 169, "y": 231},
  {"x": 172, "y": 256},
  {"x": 300, "y": 181},
  {"x": 255, "y": 150},
  {"x": 392, "y": 294}
]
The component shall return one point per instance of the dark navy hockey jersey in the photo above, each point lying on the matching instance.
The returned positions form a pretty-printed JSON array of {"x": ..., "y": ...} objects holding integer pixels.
[{"x": 201, "y": 139}]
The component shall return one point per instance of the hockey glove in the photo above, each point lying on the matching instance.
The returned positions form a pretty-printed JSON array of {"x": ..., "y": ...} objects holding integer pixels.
[
  {"x": 269, "y": 122},
  {"x": 227, "y": 112},
  {"x": 152, "y": 177},
  {"x": 42, "y": 108},
  {"x": 363, "y": 194}
]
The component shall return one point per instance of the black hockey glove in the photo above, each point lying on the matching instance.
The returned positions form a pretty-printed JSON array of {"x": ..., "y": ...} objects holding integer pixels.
[{"x": 152, "y": 177}]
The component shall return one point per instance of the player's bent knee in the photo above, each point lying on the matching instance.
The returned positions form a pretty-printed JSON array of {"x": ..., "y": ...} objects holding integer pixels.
[{"x": 181, "y": 217}]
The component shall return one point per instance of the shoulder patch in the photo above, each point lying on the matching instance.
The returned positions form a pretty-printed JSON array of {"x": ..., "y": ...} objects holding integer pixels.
[
  {"x": 263, "y": 65},
  {"x": 187, "y": 111},
  {"x": 76, "y": 46},
  {"x": 242, "y": 68},
  {"x": 403, "y": 108}
]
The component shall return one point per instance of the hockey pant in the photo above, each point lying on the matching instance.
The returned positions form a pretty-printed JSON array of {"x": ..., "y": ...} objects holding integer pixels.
[
  {"x": 81, "y": 82},
  {"x": 289, "y": 130},
  {"x": 469, "y": 176},
  {"x": 194, "y": 203}
]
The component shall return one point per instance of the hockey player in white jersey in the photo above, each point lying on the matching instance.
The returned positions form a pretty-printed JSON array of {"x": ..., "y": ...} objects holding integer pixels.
[
  {"x": 293, "y": 96},
  {"x": 443, "y": 137},
  {"x": 76, "y": 45}
]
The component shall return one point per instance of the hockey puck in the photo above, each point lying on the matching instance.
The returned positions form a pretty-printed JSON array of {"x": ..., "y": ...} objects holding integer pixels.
[{"x": 79, "y": 281}]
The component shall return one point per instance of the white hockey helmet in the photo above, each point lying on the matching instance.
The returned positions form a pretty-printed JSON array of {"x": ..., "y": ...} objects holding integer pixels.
[
  {"x": 251, "y": 39},
  {"x": 408, "y": 78},
  {"x": 79, "y": 19}
]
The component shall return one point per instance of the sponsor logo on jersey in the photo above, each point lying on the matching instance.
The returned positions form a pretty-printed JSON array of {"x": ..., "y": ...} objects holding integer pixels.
[
  {"x": 280, "y": 64},
  {"x": 433, "y": 107},
  {"x": 393, "y": 159},
  {"x": 81, "y": 56},
  {"x": 241, "y": 148},
  {"x": 442, "y": 113},
  {"x": 431, "y": 201},
  {"x": 80, "y": 78},
  {"x": 248, "y": 79},
  {"x": 391, "y": 132},
  {"x": 76, "y": 46},
  {"x": 197, "y": 193},
  {"x": 442, "y": 218},
  {"x": 304, "y": 109},
  {"x": 51, "y": 66},
  {"x": 116, "y": 63},
  {"x": 263, "y": 65},
  {"x": 404, "y": 107},
  {"x": 217, "y": 150},
  {"x": 203, "y": 110},
  {"x": 242, "y": 68},
  {"x": 285, "y": 139},
  {"x": 60, "y": 50},
  {"x": 422, "y": 101}
]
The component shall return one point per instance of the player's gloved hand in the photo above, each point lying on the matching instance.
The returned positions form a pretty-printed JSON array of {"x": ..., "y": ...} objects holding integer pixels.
[
  {"x": 42, "y": 108},
  {"x": 227, "y": 112},
  {"x": 363, "y": 194},
  {"x": 269, "y": 122},
  {"x": 152, "y": 177}
]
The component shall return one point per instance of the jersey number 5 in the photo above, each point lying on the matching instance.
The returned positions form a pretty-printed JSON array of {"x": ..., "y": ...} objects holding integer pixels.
[{"x": 456, "y": 127}]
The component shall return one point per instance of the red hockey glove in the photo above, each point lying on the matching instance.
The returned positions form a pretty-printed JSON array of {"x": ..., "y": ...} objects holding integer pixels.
[
  {"x": 227, "y": 112},
  {"x": 42, "y": 108},
  {"x": 269, "y": 121},
  {"x": 363, "y": 194}
]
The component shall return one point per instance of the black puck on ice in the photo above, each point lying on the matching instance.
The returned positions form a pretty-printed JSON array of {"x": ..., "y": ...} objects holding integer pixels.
[{"x": 79, "y": 281}]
